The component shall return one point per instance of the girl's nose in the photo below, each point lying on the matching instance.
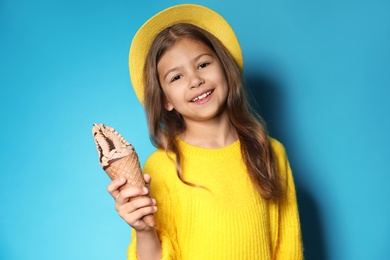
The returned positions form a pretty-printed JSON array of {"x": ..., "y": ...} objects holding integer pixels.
[{"x": 196, "y": 81}]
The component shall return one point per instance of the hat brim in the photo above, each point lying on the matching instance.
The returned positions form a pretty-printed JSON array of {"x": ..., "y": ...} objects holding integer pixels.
[{"x": 200, "y": 16}]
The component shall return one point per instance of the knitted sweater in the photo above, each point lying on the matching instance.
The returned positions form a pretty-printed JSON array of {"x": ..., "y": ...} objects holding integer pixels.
[{"x": 228, "y": 219}]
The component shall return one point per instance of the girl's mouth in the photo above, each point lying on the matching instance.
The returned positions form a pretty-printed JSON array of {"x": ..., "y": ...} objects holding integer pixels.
[{"x": 204, "y": 95}]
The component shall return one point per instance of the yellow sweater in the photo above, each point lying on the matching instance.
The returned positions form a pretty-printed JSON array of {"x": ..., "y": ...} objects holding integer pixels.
[{"x": 228, "y": 220}]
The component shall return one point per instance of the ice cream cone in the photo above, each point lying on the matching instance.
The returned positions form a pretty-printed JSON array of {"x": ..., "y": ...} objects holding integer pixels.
[
  {"x": 118, "y": 158},
  {"x": 129, "y": 167}
]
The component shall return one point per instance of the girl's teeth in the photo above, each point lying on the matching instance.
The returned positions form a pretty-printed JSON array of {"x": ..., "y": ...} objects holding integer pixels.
[{"x": 202, "y": 96}]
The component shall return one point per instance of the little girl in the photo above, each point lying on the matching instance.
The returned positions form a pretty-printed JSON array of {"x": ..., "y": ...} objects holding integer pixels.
[{"x": 220, "y": 187}]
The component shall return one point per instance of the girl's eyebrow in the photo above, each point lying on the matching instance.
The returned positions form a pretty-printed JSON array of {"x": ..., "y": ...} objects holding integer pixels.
[
  {"x": 169, "y": 71},
  {"x": 178, "y": 67},
  {"x": 201, "y": 55}
]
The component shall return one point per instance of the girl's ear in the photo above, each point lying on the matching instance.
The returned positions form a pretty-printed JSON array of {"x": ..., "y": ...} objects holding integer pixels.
[{"x": 168, "y": 105}]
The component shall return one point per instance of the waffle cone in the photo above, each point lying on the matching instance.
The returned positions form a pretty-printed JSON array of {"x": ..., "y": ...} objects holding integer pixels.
[{"x": 129, "y": 167}]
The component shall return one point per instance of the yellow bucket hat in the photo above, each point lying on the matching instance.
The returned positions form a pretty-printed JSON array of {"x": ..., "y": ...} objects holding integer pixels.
[{"x": 198, "y": 15}]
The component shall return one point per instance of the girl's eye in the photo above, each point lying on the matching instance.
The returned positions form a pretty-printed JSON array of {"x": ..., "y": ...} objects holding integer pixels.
[
  {"x": 203, "y": 65},
  {"x": 175, "y": 78}
]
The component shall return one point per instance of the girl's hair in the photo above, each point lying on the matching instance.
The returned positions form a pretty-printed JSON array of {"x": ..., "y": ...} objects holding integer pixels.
[{"x": 165, "y": 126}]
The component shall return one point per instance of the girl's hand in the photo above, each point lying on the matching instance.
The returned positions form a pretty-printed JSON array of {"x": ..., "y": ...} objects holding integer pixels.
[{"x": 132, "y": 211}]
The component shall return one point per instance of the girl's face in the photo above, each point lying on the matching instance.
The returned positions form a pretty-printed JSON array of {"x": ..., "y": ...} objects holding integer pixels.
[{"x": 193, "y": 81}]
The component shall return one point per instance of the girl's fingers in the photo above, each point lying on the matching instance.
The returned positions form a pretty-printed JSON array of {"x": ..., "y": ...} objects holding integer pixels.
[
  {"x": 125, "y": 195},
  {"x": 137, "y": 216},
  {"x": 147, "y": 178},
  {"x": 137, "y": 204},
  {"x": 129, "y": 207},
  {"x": 134, "y": 217},
  {"x": 133, "y": 211},
  {"x": 113, "y": 187}
]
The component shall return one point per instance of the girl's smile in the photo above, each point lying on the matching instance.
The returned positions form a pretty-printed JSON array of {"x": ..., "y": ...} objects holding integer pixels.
[
  {"x": 193, "y": 80},
  {"x": 202, "y": 97}
]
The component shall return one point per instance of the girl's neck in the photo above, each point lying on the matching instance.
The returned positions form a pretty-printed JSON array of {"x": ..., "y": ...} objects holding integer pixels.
[{"x": 210, "y": 134}]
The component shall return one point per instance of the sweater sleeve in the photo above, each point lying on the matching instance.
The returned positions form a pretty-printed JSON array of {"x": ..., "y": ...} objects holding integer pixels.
[
  {"x": 164, "y": 217},
  {"x": 289, "y": 241}
]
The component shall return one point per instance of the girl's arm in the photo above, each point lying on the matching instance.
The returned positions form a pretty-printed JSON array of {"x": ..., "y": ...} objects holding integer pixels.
[
  {"x": 289, "y": 241},
  {"x": 162, "y": 188},
  {"x": 148, "y": 244}
]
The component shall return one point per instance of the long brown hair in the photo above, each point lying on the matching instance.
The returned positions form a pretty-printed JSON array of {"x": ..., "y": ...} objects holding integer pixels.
[{"x": 165, "y": 126}]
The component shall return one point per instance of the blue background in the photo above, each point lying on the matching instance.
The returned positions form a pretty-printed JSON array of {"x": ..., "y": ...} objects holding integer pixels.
[{"x": 319, "y": 70}]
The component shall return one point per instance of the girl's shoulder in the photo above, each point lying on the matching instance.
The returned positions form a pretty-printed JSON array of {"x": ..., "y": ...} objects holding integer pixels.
[
  {"x": 160, "y": 155},
  {"x": 277, "y": 147},
  {"x": 159, "y": 161}
]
